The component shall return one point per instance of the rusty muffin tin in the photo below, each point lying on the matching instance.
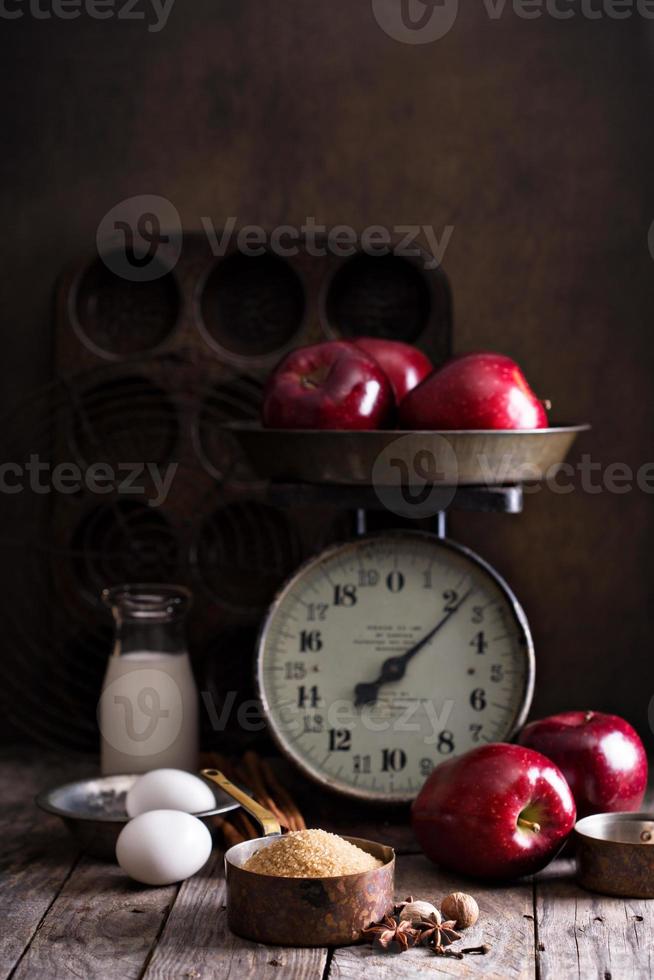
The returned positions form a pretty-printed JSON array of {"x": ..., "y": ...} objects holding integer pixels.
[
  {"x": 301, "y": 911},
  {"x": 149, "y": 371}
]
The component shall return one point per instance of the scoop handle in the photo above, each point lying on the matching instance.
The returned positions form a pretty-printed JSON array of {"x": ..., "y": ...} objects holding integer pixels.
[{"x": 264, "y": 817}]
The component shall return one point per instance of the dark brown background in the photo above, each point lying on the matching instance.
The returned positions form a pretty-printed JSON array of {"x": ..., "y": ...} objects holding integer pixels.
[{"x": 533, "y": 138}]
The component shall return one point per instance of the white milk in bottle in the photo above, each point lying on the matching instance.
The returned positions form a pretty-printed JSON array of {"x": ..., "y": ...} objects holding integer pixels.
[{"x": 148, "y": 709}]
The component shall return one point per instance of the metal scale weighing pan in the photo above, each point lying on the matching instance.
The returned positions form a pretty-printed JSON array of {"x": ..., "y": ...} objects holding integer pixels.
[
  {"x": 470, "y": 457},
  {"x": 300, "y": 911}
]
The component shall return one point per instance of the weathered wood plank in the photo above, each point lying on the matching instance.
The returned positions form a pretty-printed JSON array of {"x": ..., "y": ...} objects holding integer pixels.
[
  {"x": 506, "y": 923},
  {"x": 36, "y": 853},
  {"x": 87, "y": 920},
  {"x": 584, "y": 935},
  {"x": 196, "y": 941},
  {"x": 101, "y": 926},
  {"x": 35, "y": 865}
]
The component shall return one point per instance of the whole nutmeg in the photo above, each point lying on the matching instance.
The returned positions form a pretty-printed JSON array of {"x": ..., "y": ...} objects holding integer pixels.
[
  {"x": 462, "y": 908},
  {"x": 420, "y": 912}
]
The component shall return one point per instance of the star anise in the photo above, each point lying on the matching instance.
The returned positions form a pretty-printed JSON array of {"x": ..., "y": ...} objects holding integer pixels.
[
  {"x": 427, "y": 929},
  {"x": 433, "y": 934},
  {"x": 391, "y": 935}
]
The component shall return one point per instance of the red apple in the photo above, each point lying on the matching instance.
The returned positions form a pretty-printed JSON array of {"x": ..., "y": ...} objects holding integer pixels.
[
  {"x": 327, "y": 386},
  {"x": 601, "y": 756},
  {"x": 498, "y": 811},
  {"x": 405, "y": 366},
  {"x": 474, "y": 391}
]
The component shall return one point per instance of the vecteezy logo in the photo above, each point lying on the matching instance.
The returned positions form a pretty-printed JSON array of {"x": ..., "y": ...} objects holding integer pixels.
[
  {"x": 416, "y": 21},
  {"x": 149, "y": 703},
  {"x": 141, "y": 713},
  {"x": 415, "y": 482},
  {"x": 140, "y": 239}
]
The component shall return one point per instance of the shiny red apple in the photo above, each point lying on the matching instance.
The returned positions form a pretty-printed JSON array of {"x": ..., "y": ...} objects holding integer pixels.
[
  {"x": 405, "y": 366},
  {"x": 499, "y": 811},
  {"x": 601, "y": 756},
  {"x": 334, "y": 385},
  {"x": 474, "y": 391}
]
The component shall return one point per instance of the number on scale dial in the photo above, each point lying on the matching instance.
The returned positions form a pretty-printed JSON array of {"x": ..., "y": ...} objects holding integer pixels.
[{"x": 384, "y": 656}]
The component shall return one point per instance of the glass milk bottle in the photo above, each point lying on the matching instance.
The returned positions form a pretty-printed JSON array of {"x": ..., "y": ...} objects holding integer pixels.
[{"x": 148, "y": 709}]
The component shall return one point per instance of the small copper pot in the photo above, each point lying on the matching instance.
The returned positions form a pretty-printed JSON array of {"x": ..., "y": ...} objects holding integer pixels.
[
  {"x": 301, "y": 911},
  {"x": 615, "y": 854}
]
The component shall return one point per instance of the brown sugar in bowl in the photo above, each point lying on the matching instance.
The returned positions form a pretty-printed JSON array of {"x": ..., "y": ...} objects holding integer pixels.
[{"x": 311, "y": 854}]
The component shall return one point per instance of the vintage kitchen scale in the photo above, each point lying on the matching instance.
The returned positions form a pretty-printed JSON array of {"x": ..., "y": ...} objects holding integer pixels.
[{"x": 396, "y": 650}]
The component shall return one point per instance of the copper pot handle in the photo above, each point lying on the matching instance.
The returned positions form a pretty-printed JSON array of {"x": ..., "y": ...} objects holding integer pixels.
[{"x": 264, "y": 817}]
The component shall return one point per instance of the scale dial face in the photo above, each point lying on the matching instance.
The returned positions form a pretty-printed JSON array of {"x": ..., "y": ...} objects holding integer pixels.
[{"x": 387, "y": 655}]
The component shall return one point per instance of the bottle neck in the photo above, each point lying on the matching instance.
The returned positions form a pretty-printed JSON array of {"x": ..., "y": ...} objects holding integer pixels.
[
  {"x": 136, "y": 635},
  {"x": 148, "y": 618}
]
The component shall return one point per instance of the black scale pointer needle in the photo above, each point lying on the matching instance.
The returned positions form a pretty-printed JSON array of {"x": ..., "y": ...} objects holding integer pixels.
[{"x": 394, "y": 668}]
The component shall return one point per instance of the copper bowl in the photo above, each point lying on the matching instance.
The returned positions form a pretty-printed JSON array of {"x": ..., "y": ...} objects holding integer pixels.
[
  {"x": 615, "y": 854},
  {"x": 307, "y": 911}
]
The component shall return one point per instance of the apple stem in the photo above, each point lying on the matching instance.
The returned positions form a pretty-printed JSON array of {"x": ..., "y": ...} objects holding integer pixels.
[
  {"x": 309, "y": 383},
  {"x": 529, "y": 825},
  {"x": 588, "y": 716}
]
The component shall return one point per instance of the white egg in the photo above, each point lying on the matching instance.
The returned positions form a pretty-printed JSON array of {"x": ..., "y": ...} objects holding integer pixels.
[
  {"x": 169, "y": 789},
  {"x": 163, "y": 846}
]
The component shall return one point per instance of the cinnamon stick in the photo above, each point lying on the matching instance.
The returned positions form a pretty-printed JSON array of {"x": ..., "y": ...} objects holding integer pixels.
[
  {"x": 254, "y": 778},
  {"x": 295, "y": 818}
]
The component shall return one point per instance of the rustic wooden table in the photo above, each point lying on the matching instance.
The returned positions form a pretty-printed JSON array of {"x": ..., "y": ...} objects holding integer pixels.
[{"x": 65, "y": 915}]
